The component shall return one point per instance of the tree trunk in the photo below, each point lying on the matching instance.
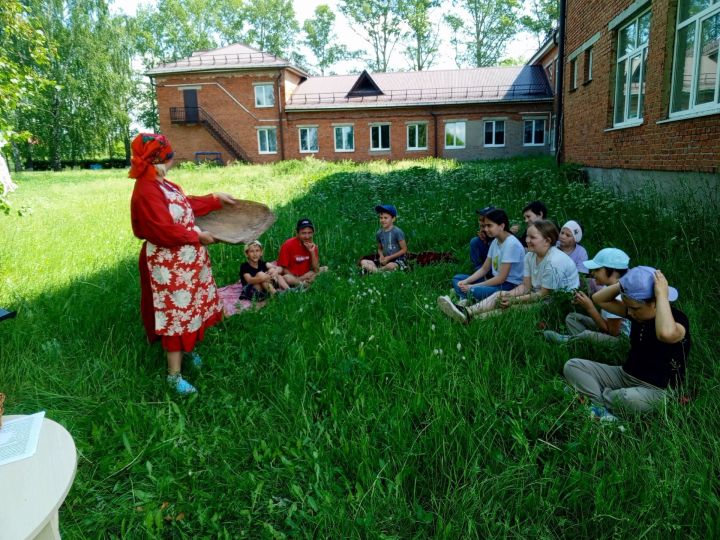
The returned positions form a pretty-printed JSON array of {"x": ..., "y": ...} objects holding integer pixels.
[
  {"x": 126, "y": 143},
  {"x": 56, "y": 135},
  {"x": 17, "y": 158}
]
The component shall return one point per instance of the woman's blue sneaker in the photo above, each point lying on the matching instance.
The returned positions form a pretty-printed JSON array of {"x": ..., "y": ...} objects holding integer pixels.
[
  {"x": 600, "y": 413},
  {"x": 180, "y": 385}
]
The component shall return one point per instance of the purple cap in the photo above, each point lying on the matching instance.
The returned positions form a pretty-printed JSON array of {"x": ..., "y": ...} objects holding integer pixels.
[{"x": 639, "y": 284}]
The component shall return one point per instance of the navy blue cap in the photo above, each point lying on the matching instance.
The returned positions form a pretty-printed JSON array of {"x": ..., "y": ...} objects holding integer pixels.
[
  {"x": 485, "y": 211},
  {"x": 304, "y": 223},
  {"x": 386, "y": 208}
]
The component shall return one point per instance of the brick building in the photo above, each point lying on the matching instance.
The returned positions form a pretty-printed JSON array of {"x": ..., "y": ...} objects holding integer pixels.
[
  {"x": 242, "y": 103},
  {"x": 641, "y": 98}
]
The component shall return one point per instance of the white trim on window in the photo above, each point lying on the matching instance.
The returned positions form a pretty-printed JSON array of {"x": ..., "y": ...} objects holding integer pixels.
[
  {"x": 417, "y": 137},
  {"x": 630, "y": 66},
  {"x": 263, "y": 99},
  {"x": 573, "y": 74},
  {"x": 496, "y": 122},
  {"x": 270, "y": 143},
  {"x": 182, "y": 87},
  {"x": 309, "y": 149},
  {"x": 384, "y": 145},
  {"x": 702, "y": 95},
  {"x": 589, "y": 63},
  {"x": 534, "y": 131},
  {"x": 335, "y": 140},
  {"x": 455, "y": 132}
]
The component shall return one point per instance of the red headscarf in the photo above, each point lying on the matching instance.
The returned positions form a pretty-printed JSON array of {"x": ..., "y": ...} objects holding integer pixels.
[{"x": 149, "y": 149}]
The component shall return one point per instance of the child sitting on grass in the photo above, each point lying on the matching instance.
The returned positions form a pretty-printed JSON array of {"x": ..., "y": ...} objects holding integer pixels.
[
  {"x": 390, "y": 241},
  {"x": 480, "y": 243},
  {"x": 608, "y": 266},
  {"x": 659, "y": 347},
  {"x": 546, "y": 269},
  {"x": 533, "y": 211},
  {"x": 569, "y": 243},
  {"x": 258, "y": 278},
  {"x": 502, "y": 270}
]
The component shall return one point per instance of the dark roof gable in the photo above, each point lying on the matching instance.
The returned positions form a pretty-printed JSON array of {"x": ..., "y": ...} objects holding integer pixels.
[{"x": 365, "y": 86}]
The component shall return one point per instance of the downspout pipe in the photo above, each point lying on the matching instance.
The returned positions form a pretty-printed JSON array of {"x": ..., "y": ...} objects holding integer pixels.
[
  {"x": 560, "y": 84},
  {"x": 281, "y": 98}
]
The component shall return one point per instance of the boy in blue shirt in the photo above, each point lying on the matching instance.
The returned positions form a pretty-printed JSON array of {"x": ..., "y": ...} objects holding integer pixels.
[{"x": 391, "y": 243}]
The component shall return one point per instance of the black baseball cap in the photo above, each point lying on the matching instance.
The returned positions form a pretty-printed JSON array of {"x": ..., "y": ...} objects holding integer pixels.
[
  {"x": 304, "y": 223},
  {"x": 485, "y": 211}
]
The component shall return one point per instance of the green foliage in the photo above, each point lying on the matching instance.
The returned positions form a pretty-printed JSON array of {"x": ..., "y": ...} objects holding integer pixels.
[
  {"x": 355, "y": 409},
  {"x": 321, "y": 39},
  {"x": 379, "y": 23},
  {"x": 542, "y": 19},
  {"x": 481, "y": 30},
  {"x": 423, "y": 38},
  {"x": 273, "y": 27}
]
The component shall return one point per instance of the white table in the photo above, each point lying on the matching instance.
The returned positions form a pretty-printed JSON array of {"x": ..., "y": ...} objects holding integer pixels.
[{"x": 33, "y": 489}]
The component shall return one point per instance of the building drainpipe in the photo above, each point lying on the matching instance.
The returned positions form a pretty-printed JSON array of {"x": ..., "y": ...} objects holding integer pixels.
[
  {"x": 560, "y": 83},
  {"x": 281, "y": 138},
  {"x": 435, "y": 134}
]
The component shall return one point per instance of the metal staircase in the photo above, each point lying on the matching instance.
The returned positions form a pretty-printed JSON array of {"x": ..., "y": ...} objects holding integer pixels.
[{"x": 198, "y": 115}]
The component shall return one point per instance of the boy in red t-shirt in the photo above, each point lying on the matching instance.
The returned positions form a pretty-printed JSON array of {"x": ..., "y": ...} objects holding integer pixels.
[{"x": 299, "y": 258}]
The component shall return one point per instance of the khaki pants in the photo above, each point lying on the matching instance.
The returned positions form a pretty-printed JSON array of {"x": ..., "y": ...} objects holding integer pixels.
[
  {"x": 582, "y": 327},
  {"x": 611, "y": 386}
]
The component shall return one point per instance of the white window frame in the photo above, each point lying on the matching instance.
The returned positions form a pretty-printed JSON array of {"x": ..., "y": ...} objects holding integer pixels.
[
  {"x": 625, "y": 61},
  {"x": 341, "y": 126},
  {"x": 417, "y": 126},
  {"x": 317, "y": 138},
  {"x": 697, "y": 20},
  {"x": 262, "y": 96},
  {"x": 265, "y": 131},
  {"x": 379, "y": 126},
  {"x": 534, "y": 119},
  {"x": 589, "y": 63},
  {"x": 452, "y": 125},
  {"x": 494, "y": 122},
  {"x": 573, "y": 74}
]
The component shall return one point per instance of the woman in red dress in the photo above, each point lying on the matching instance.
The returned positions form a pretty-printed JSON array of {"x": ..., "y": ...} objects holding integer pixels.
[{"x": 179, "y": 298}]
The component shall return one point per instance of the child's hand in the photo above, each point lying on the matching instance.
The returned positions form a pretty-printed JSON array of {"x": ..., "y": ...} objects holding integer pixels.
[
  {"x": 514, "y": 228},
  {"x": 503, "y": 301},
  {"x": 582, "y": 299},
  {"x": 310, "y": 246},
  {"x": 382, "y": 260},
  {"x": 463, "y": 285},
  {"x": 661, "y": 285}
]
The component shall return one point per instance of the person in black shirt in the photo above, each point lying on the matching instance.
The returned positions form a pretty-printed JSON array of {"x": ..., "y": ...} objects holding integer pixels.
[
  {"x": 659, "y": 347},
  {"x": 258, "y": 278}
]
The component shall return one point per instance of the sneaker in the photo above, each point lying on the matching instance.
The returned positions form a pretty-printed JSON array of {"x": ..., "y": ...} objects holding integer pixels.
[
  {"x": 180, "y": 385},
  {"x": 456, "y": 313},
  {"x": 600, "y": 413},
  {"x": 555, "y": 337},
  {"x": 463, "y": 302},
  {"x": 195, "y": 359}
]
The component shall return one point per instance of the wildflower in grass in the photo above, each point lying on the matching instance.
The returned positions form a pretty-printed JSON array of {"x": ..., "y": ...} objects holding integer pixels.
[{"x": 459, "y": 346}]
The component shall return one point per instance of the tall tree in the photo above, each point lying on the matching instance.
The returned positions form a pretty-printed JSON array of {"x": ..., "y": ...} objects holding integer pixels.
[
  {"x": 541, "y": 19},
  {"x": 379, "y": 22},
  {"x": 273, "y": 27},
  {"x": 321, "y": 39},
  {"x": 483, "y": 30},
  {"x": 423, "y": 38}
]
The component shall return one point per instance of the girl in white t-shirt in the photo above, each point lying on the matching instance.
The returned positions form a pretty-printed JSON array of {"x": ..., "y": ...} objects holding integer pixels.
[
  {"x": 502, "y": 270},
  {"x": 546, "y": 269}
]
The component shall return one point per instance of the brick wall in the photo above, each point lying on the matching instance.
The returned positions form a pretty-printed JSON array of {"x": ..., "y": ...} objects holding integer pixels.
[
  {"x": 684, "y": 145},
  {"x": 229, "y": 99}
]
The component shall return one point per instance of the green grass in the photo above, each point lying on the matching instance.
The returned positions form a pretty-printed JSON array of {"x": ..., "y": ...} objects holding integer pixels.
[{"x": 356, "y": 409}]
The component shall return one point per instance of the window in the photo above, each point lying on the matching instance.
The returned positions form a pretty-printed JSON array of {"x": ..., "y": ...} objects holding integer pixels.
[
  {"x": 417, "y": 137},
  {"x": 588, "y": 64},
  {"x": 264, "y": 95},
  {"x": 344, "y": 139},
  {"x": 494, "y": 132},
  {"x": 380, "y": 137},
  {"x": 308, "y": 139},
  {"x": 630, "y": 73},
  {"x": 534, "y": 133},
  {"x": 573, "y": 74},
  {"x": 695, "y": 82},
  {"x": 455, "y": 135},
  {"x": 267, "y": 140}
]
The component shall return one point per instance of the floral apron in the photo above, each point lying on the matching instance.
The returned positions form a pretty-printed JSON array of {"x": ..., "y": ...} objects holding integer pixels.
[{"x": 184, "y": 291}]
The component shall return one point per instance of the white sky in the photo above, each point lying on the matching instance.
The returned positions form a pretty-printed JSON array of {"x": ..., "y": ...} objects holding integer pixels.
[{"x": 524, "y": 45}]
